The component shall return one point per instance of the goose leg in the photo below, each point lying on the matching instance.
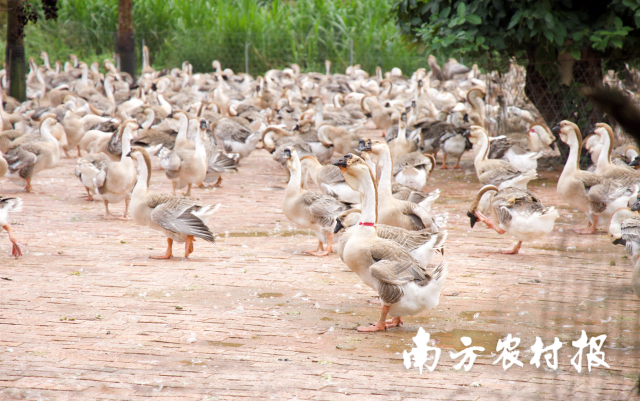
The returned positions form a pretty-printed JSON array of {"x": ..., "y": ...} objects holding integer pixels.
[
  {"x": 188, "y": 246},
  {"x": 513, "y": 251},
  {"x": 174, "y": 184},
  {"x": 320, "y": 248},
  {"x": 28, "y": 187},
  {"x": 444, "y": 162},
  {"x": 329, "y": 249},
  {"x": 89, "y": 197},
  {"x": 79, "y": 152},
  {"x": 380, "y": 324},
  {"x": 218, "y": 183},
  {"x": 126, "y": 209},
  {"x": 395, "y": 322},
  {"x": 458, "y": 162},
  {"x": 107, "y": 214},
  {"x": 489, "y": 223},
  {"x": 168, "y": 254},
  {"x": 591, "y": 229},
  {"x": 16, "y": 251},
  {"x": 188, "y": 193}
]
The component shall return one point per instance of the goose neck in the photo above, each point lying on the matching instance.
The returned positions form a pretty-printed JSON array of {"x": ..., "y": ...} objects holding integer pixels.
[{"x": 386, "y": 176}]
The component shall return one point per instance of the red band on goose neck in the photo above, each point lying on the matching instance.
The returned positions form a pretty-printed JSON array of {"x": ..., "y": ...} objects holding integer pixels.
[{"x": 366, "y": 224}]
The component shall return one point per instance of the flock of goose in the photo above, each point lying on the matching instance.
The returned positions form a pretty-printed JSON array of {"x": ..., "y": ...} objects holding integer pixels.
[{"x": 196, "y": 127}]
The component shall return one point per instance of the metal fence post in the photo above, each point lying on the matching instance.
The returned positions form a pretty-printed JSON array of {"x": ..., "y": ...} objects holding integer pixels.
[
  {"x": 246, "y": 58},
  {"x": 350, "y": 51}
]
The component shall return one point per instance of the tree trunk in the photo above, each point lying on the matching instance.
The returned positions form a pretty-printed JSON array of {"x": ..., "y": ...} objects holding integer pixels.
[
  {"x": 16, "y": 66},
  {"x": 126, "y": 42}
]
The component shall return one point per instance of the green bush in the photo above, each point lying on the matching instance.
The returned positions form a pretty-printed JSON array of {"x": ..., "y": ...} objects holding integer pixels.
[{"x": 278, "y": 33}]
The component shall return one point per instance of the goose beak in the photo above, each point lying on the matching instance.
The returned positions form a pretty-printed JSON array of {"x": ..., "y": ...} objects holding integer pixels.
[
  {"x": 342, "y": 163},
  {"x": 287, "y": 153},
  {"x": 139, "y": 126},
  {"x": 339, "y": 226},
  {"x": 129, "y": 154},
  {"x": 154, "y": 86},
  {"x": 556, "y": 129},
  {"x": 467, "y": 134},
  {"x": 620, "y": 241},
  {"x": 635, "y": 162},
  {"x": 552, "y": 145},
  {"x": 170, "y": 115},
  {"x": 296, "y": 128},
  {"x": 368, "y": 115},
  {"x": 465, "y": 118},
  {"x": 636, "y": 206},
  {"x": 472, "y": 218},
  {"x": 203, "y": 124},
  {"x": 363, "y": 146},
  {"x": 309, "y": 99}
]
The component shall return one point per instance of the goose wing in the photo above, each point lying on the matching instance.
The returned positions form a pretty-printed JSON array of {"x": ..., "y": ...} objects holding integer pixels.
[
  {"x": 330, "y": 174},
  {"x": 494, "y": 172},
  {"x": 176, "y": 215},
  {"x": 393, "y": 266},
  {"x": 323, "y": 208},
  {"x": 23, "y": 156}
]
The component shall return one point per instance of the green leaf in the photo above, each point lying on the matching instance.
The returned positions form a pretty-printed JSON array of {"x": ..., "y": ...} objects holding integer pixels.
[
  {"x": 473, "y": 19},
  {"x": 445, "y": 12},
  {"x": 515, "y": 19},
  {"x": 548, "y": 18},
  {"x": 617, "y": 42},
  {"x": 578, "y": 35},
  {"x": 548, "y": 34},
  {"x": 462, "y": 8},
  {"x": 630, "y": 3},
  {"x": 480, "y": 40},
  {"x": 618, "y": 22},
  {"x": 576, "y": 54}
]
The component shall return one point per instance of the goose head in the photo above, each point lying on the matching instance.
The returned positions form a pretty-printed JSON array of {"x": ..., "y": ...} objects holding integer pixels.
[
  {"x": 354, "y": 169},
  {"x": 347, "y": 219},
  {"x": 566, "y": 129},
  {"x": 475, "y": 133},
  {"x": 270, "y": 136}
]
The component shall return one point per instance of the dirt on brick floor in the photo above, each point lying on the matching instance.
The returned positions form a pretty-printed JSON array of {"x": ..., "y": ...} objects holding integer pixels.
[{"x": 86, "y": 315}]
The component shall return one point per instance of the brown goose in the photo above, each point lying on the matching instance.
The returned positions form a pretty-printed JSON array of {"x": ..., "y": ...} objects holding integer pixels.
[
  {"x": 180, "y": 219},
  {"x": 515, "y": 211},
  {"x": 405, "y": 285}
]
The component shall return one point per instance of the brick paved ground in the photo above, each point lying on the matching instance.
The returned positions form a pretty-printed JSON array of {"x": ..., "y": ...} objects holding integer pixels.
[{"x": 85, "y": 314}]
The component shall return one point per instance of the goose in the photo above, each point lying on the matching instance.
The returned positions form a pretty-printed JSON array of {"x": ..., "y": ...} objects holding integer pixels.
[
  {"x": 180, "y": 219},
  {"x": 401, "y": 145},
  {"x": 616, "y": 221},
  {"x": 343, "y": 141},
  {"x": 399, "y": 191},
  {"x": 185, "y": 167},
  {"x": 328, "y": 179},
  {"x": 584, "y": 190},
  {"x": 454, "y": 144},
  {"x": 605, "y": 168},
  {"x": 10, "y": 205},
  {"x": 422, "y": 245},
  {"x": 404, "y": 285},
  {"x": 392, "y": 211},
  {"x": 307, "y": 209},
  {"x": 630, "y": 238},
  {"x": 87, "y": 168},
  {"x": 75, "y": 126},
  {"x": 515, "y": 211},
  {"x": 413, "y": 170},
  {"x": 111, "y": 145},
  {"x": 115, "y": 180},
  {"x": 310, "y": 136},
  {"x": 235, "y": 137},
  {"x": 26, "y": 160},
  {"x": 495, "y": 172}
]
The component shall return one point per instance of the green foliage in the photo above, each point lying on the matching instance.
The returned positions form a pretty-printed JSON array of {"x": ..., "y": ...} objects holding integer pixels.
[
  {"x": 493, "y": 28},
  {"x": 278, "y": 32}
]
